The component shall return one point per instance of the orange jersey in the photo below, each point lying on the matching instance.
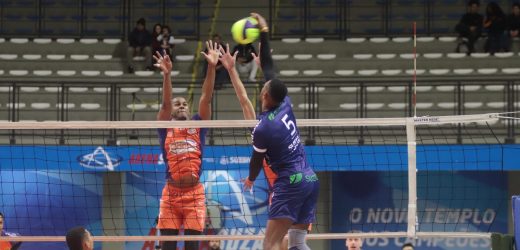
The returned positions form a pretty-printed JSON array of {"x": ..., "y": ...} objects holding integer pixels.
[
  {"x": 182, "y": 149},
  {"x": 5, "y": 245},
  {"x": 269, "y": 174}
]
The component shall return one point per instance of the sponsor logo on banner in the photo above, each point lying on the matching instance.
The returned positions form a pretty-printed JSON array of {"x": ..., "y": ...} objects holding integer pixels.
[
  {"x": 100, "y": 159},
  {"x": 138, "y": 158}
]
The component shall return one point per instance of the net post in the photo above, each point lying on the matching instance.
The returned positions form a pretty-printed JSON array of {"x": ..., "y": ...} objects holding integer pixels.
[{"x": 412, "y": 177}]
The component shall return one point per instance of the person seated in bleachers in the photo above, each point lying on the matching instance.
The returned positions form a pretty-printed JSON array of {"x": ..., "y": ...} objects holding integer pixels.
[
  {"x": 245, "y": 63},
  {"x": 139, "y": 42},
  {"x": 166, "y": 40},
  {"x": 495, "y": 23},
  {"x": 156, "y": 44},
  {"x": 470, "y": 27},
  {"x": 513, "y": 23}
]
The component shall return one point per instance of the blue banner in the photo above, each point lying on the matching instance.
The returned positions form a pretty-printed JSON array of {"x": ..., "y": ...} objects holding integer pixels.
[
  {"x": 322, "y": 158},
  {"x": 466, "y": 201},
  {"x": 50, "y": 203}
]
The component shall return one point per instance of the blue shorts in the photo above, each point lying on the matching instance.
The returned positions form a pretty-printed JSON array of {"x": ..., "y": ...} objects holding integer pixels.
[{"x": 295, "y": 197}]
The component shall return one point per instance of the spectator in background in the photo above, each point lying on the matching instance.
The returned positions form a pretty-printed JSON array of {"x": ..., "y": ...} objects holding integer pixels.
[
  {"x": 7, "y": 245},
  {"x": 513, "y": 23},
  {"x": 166, "y": 40},
  {"x": 354, "y": 243},
  {"x": 214, "y": 245},
  {"x": 139, "y": 41},
  {"x": 245, "y": 63},
  {"x": 495, "y": 23},
  {"x": 407, "y": 246},
  {"x": 156, "y": 43},
  {"x": 79, "y": 238},
  {"x": 470, "y": 27},
  {"x": 221, "y": 74}
]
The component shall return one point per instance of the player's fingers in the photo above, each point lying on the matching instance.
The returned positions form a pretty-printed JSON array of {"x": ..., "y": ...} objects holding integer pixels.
[
  {"x": 155, "y": 58},
  {"x": 227, "y": 47},
  {"x": 221, "y": 50},
  {"x": 158, "y": 54},
  {"x": 235, "y": 55}
]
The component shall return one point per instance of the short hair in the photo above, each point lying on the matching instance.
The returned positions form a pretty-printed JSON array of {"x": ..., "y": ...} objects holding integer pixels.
[
  {"x": 75, "y": 238},
  {"x": 471, "y": 2},
  {"x": 277, "y": 90},
  {"x": 516, "y": 4},
  {"x": 407, "y": 245},
  {"x": 2, "y": 215},
  {"x": 141, "y": 21}
]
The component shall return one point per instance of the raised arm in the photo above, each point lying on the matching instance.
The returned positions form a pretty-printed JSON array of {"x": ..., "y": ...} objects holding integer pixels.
[
  {"x": 228, "y": 61},
  {"x": 165, "y": 64},
  {"x": 209, "y": 82},
  {"x": 266, "y": 60}
]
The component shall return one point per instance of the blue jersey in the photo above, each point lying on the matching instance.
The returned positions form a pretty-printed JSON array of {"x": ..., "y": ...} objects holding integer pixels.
[{"x": 277, "y": 135}]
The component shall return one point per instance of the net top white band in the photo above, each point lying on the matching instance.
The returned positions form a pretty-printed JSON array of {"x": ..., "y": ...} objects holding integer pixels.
[{"x": 401, "y": 121}]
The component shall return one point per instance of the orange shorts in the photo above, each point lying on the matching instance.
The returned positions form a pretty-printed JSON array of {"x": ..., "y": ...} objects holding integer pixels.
[{"x": 182, "y": 207}]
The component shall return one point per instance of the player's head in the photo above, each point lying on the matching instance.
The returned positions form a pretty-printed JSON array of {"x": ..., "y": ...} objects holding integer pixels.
[
  {"x": 214, "y": 244},
  {"x": 354, "y": 243},
  {"x": 272, "y": 94},
  {"x": 473, "y": 6},
  {"x": 180, "y": 109},
  {"x": 1, "y": 222},
  {"x": 79, "y": 238},
  {"x": 407, "y": 246}
]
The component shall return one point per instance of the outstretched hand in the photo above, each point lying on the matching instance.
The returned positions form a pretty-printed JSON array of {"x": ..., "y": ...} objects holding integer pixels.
[
  {"x": 212, "y": 54},
  {"x": 227, "y": 60},
  {"x": 262, "y": 23},
  {"x": 163, "y": 62},
  {"x": 256, "y": 57}
]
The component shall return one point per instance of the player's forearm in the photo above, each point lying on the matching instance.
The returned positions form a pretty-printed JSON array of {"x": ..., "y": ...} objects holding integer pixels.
[
  {"x": 167, "y": 91},
  {"x": 245, "y": 103},
  {"x": 207, "y": 86},
  {"x": 266, "y": 61},
  {"x": 255, "y": 165}
]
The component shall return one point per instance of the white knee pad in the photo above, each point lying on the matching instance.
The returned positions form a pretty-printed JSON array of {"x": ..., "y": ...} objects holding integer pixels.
[{"x": 297, "y": 239}]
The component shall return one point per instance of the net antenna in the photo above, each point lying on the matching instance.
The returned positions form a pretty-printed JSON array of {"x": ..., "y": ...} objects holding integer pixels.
[{"x": 412, "y": 149}]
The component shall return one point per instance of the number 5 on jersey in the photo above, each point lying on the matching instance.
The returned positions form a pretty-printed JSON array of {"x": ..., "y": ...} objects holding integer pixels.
[{"x": 289, "y": 124}]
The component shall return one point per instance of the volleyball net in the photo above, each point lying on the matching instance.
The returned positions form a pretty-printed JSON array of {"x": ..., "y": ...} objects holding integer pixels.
[{"x": 436, "y": 181}]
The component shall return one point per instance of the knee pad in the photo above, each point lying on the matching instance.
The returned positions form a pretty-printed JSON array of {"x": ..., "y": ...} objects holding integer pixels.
[{"x": 297, "y": 239}]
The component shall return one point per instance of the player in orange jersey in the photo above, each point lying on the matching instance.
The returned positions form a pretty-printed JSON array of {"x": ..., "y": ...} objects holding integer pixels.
[
  {"x": 182, "y": 203},
  {"x": 7, "y": 245}
]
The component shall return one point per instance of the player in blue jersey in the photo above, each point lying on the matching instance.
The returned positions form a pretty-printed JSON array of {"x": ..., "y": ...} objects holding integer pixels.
[{"x": 277, "y": 139}]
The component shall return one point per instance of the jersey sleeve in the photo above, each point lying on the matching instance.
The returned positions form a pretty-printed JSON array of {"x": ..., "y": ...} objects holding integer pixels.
[
  {"x": 260, "y": 139},
  {"x": 203, "y": 131}
]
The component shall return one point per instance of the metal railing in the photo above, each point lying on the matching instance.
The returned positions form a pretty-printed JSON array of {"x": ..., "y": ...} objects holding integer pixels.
[{"x": 309, "y": 100}]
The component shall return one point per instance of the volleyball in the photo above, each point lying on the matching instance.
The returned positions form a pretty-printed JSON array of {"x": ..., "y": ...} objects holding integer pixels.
[{"x": 245, "y": 30}]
